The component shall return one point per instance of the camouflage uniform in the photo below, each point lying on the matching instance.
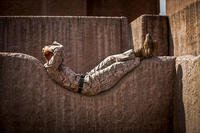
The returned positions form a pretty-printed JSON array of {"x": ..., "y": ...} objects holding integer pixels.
[{"x": 99, "y": 79}]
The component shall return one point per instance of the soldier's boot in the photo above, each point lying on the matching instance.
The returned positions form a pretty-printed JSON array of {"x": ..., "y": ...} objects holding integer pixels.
[
  {"x": 127, "y": 55},
  {"x": 147, "y": 49}
]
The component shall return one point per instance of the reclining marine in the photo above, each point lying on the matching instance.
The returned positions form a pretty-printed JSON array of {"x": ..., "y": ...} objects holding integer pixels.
[{"x": 101, "y": 78}]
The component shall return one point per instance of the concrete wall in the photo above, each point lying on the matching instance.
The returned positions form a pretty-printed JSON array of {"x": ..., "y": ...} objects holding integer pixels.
[
  {"x": 157, "y": 26},
  {"x": 184, "y": 26},
  {"x": 174, "y": 6},
  {"x": 129, "y": 8},
  {"x": 94, "y": 38},
  {"x": 43, "y": 7},
  {"x": 31, "y": 102},
  {"x": 187, "y": 93},
  {"x": 184, "y": 32},
  {"x": 105, "y": 8}
]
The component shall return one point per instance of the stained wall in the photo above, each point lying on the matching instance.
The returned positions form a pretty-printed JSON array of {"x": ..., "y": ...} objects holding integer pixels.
[
  {"x": 175, "y": 5},
  {"x": 184, "y": 28},
  {"x": 93, "y": 38},
  {"x": 31, "y": 102},
  {"x": 128, "y": 8},
  {"x": 186, "y": 95},
  {"x": 43, "y": 7},
  {"x": 157, "y": 26}
]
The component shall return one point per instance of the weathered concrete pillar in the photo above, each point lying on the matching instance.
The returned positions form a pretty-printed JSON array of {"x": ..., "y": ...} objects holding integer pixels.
[
  {"x": 31, "y": 102},
  {"x": 157, "y": 26},
  {"x": 174, "y": 6},
  {"x": 186, "y": 95},
  {"x": 184, "y": 22}
]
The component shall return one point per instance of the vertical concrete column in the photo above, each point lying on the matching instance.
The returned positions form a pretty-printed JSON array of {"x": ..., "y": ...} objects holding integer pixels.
[
  {"x": 157, "y": 26},
  {"x": 184, "y": 28},
  {"x": 174, "y": 6},
  {"x": 186, "y": 95}
]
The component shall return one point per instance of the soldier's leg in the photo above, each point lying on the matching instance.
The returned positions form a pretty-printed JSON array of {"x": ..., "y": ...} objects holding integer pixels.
[
  {"x": 106, "y": 78},
  {"x": 127, "y": 55}
]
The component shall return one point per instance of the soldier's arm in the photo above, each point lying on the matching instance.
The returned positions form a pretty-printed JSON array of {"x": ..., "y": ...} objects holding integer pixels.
[
  {"x": 55, "y": 61},
  {"x": 57, "y": 56}
]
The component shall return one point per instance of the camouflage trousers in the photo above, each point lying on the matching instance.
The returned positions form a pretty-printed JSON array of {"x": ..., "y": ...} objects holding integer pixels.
[{"x": 105, "y": 75}]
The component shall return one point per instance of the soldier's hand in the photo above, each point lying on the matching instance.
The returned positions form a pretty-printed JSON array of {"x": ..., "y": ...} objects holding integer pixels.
[{"x": 47, "y": 53}]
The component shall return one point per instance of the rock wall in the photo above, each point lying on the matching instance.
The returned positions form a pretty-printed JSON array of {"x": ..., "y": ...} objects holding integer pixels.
[
  {"x": 31, "y": 102},
  {"x": 157, "y": 26},
  {"x": 87, "y": 40},
  {"x": 184, "y": 32},
  {"x": 186, "y": 95}
]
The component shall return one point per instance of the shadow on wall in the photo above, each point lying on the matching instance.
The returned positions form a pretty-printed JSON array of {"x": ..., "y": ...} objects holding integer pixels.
[
  {"x": 130, "y": 37},
  {"x": 179, "y": 111}
]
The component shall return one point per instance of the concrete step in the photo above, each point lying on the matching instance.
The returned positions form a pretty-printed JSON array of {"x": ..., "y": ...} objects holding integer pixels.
[
  {"x": 157, "y": 26},
  {"x": 141, "y": 102}
]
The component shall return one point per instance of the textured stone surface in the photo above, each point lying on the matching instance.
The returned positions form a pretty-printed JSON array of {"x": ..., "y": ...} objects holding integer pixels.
[
  {"x": 31, "y": 102},
  {"x": 87, "y": 40},
  {"x": 174, "y": 6},
  {"x": 187, "y": 93},
  {"x": 185, "y": 31},
  {"x": 43, "y": 7},
  {"x": 157, "y": 26}
]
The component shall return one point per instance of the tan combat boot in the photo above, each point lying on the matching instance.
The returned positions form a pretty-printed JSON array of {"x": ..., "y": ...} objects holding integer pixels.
[{"x": 147, "y": 48}]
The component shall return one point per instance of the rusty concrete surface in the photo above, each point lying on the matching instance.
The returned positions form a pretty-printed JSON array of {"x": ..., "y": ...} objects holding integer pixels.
[
  {"x": 186, "y": 95},
  {"x": 31, "y": 102},
  {"x": 157, "y": 26}
]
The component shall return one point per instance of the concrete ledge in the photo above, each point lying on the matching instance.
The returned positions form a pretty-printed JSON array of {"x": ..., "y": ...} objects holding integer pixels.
[
  {"x": 186, "y": 95},
  {"x": 157, "y": 26},
  {"x": 32, "y": 102}
]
